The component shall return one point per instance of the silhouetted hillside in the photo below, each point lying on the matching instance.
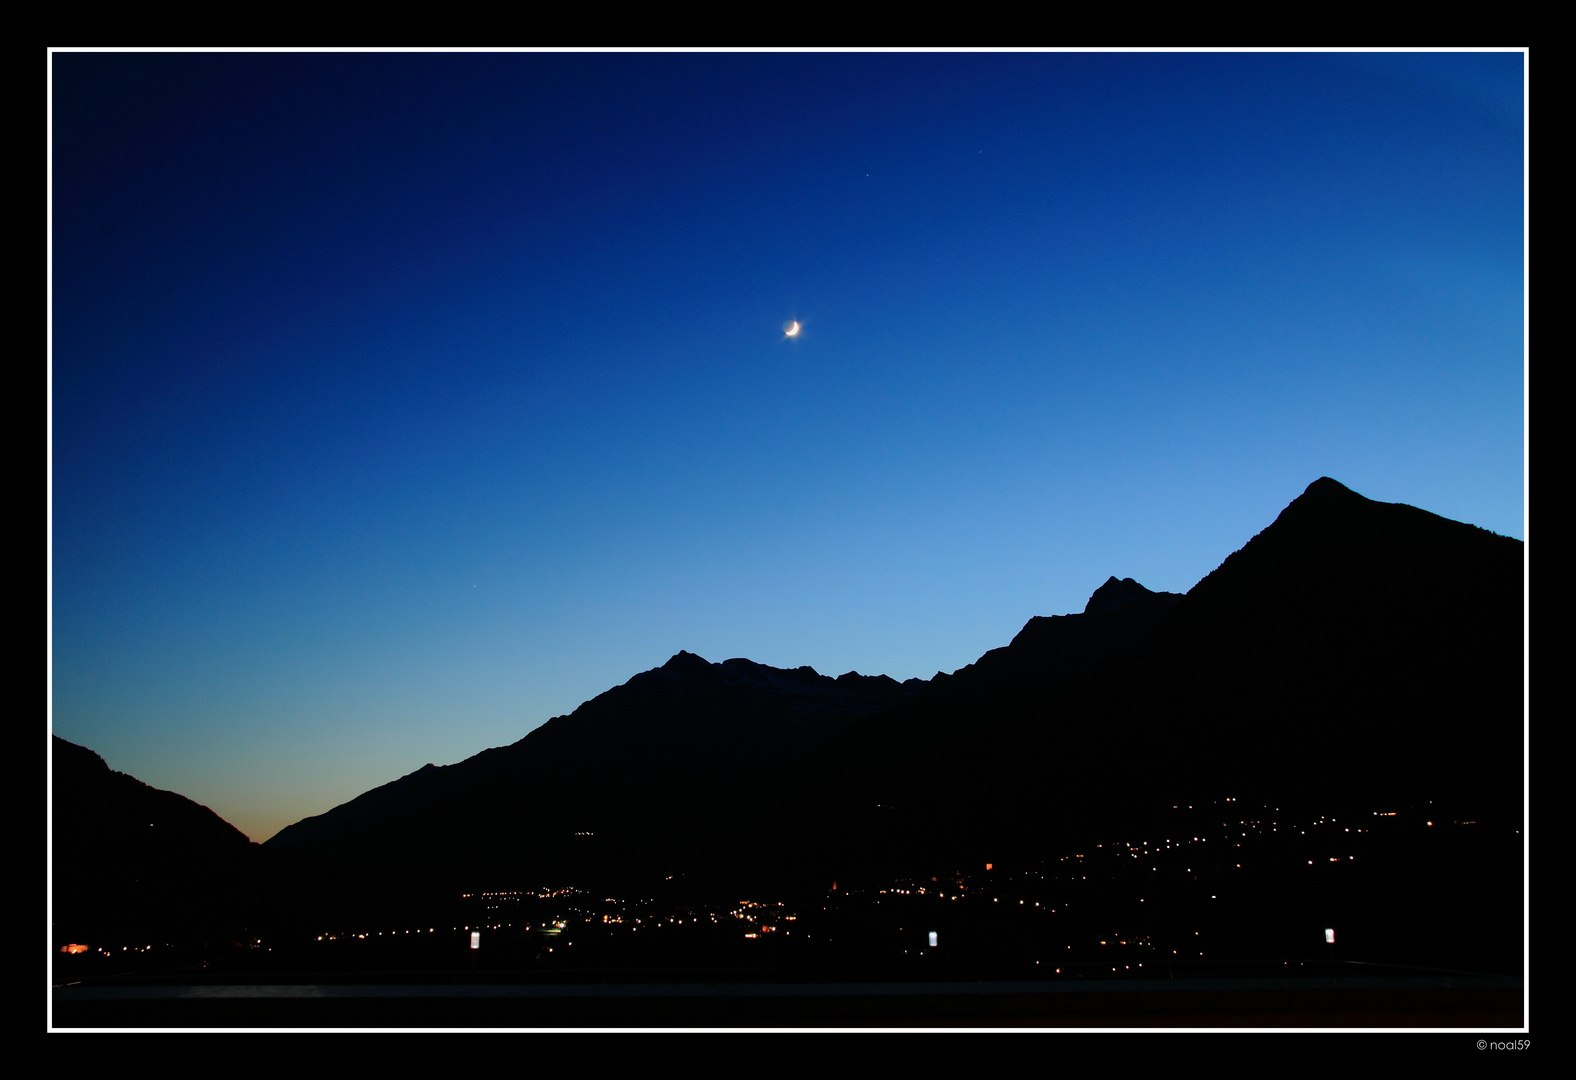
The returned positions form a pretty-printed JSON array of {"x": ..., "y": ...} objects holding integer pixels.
[
  {"x": 626, "y": 779},
  {"x": 1352, "y": 650},
  {"x": 1119, "y": 616},
  {"x": 133, "y": 856},
  {"x": 1352, "y": 647}
]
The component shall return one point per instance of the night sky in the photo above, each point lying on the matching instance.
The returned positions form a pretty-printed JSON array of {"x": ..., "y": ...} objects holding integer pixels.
[{"x": 400, "y": 402}]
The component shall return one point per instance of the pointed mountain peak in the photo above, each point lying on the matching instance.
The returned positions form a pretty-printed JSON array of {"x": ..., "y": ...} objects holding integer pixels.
[
  {"x": 1332, "y": 542},
  {"x": 1325, "y": 488},
  {"x": 1114, "y": 593},
  {"x": 684, "y": 660},
  {"x": 1321, "y": 505}
]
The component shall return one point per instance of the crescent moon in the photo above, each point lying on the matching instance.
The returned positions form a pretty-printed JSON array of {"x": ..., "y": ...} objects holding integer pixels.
[{"x": 792, "y": 329}]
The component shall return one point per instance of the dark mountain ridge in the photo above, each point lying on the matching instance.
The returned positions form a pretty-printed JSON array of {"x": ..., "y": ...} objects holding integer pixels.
[
  {"x": 617, "y": 780},
  {"x": 1352, "y": 647},
  {"x": 134, "y": 854},
  {"x": 1352, "y": 650},
  {"x": 1119, "y": 616}
]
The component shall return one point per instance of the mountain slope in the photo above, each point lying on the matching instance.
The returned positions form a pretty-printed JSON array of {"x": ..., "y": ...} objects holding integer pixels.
[
  {"x": 1351, "y": 650},
  {"x": 134, "y": 856},
  {"x": 1356, "y": 647},
  {"x": 625, "y": 776}
]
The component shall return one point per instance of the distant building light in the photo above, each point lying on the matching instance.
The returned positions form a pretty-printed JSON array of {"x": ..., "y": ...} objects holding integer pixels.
[
  {"x": 932, "y": 937},
  {"x": 476, "y": 939},
  {"x": 990, "y": 866},
  {"x": 1329, "y": 937},
  {"x": 74, "y": 949}
]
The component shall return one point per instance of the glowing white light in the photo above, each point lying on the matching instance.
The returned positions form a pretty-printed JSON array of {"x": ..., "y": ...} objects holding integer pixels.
[
  {"x": 792, "y": 328},
  {"x": 476, "y": 939},
  {"x": 1329, "y": 937},
  {"x": 932, "y": 937}
]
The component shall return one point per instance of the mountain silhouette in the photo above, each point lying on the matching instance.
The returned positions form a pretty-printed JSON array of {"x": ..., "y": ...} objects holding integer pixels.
[
  {"x": 1353, "y": 657},
  {"x": 1119, "y": 616},
  {"x": 1351, "y": 647},
  {"x": 692, "y": 761},
  {"x": 1353, "y": 650},
  {"x": 615, "y": 782},
  {"x": 136, "y": 856}
]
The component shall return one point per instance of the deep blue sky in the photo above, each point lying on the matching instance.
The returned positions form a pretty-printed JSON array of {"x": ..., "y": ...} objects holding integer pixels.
[{"x": 403, "y": 401}]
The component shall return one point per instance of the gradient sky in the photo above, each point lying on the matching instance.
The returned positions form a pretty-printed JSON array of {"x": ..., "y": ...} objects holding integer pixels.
[{"x": 403, "y": 401}]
